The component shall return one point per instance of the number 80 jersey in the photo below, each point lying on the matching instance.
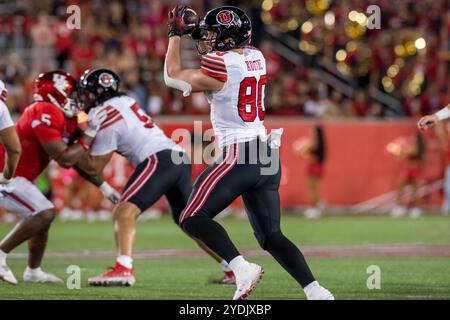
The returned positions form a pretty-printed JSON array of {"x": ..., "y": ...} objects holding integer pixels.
[
  {"x": 129, "y": 132},
  {"x": 237, "y": 111}
]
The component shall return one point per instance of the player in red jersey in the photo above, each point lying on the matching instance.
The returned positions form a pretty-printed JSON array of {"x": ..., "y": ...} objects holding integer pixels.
[{"x": 47, "y": 130}]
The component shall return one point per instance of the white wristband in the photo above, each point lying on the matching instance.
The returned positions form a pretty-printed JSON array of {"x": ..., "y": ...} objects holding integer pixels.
[
  {"x": 443, "y": 114},
  {"x": 90, "y": 132},
  {"x": 105, "y": 188}
]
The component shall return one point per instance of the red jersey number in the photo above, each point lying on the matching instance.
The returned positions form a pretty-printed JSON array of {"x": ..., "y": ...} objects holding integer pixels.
[
  {"x": 148, "y": 122},
  {"x": 250, "y": 102}
]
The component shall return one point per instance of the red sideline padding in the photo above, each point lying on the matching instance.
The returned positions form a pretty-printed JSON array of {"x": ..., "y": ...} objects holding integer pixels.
[{"x": 357, "y": 167}]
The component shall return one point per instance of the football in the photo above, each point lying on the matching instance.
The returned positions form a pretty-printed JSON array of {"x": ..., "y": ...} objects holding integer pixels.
[{"x": 190, "y": 17}]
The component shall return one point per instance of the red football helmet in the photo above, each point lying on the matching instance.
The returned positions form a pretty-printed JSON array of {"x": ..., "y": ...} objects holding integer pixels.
[{"x": 58, "y": 88}]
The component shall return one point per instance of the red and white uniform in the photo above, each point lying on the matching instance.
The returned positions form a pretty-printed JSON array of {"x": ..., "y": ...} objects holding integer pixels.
[
  {"x": 129, "y": 132},
  {"x": 41, "y": 122},
  {"x": 237, "y": 111},
  {"x": 5, "y": 117}
]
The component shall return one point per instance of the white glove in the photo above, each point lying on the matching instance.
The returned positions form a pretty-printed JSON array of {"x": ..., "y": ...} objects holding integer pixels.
[
  {"x": 275, "y": 138},
  {"x": 3, "y": 180},
  {"x": 110, "y": 193},
  {"x": 95, "y": 120}
]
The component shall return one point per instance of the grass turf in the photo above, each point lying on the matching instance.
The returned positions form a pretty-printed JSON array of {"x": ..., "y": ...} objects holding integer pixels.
[{"x": 187, "y": 277}]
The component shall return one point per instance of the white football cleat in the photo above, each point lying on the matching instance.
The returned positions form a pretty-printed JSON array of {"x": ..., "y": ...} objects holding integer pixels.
[
  {"x": 398, "y": 211},
  {"x": 312, "y": 213},
  {"x": 40, "y": 277},
  {"x": 415, "y": 213},
  {"x": 7, "y": 275},
  {"x": 319, "y": 293},
  {"x": 247, "y": 277}
]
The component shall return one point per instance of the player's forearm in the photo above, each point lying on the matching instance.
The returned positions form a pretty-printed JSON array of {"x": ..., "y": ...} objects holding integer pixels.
[
  {"x": 95, "y": 179},
  {"x": 75, "y": 152},
  {"x": 12, "y": 159},
  {"x": 173, "y": 58},
  {"x": 174, "y": 76},
  {"x": 13, "y": 150}
]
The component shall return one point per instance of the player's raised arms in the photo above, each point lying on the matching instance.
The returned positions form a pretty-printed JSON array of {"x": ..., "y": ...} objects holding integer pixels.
[
  {"x": 186, "y": 80},
  {"x": 195, "y": 78}
]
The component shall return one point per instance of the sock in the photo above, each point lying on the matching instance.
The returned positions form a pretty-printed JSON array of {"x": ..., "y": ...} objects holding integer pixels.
[
  {"x": 3, "y": 257},
  {"x": 236, "y": 262},
  {"x": 310, "y": 287},
  {"x": 33, "y": 271},
  {"x": 225, "y": 266},
  {"x": 125, "y": 261}
]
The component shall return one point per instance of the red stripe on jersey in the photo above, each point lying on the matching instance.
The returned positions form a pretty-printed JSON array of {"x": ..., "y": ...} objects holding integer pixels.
[
  {"x": 111, "y": 122},
  {"x": 214, "y": 58},
  {"x": 213, "y": 70},
  {"x": 108, "y": 108},
  {"x": 217, "y": 62},
  {"x": 3, "y": 95},
  {"x": 214, "y": 66},
  {"x": 214, "y": 74},
  {"x": 111, "y": 115},
  {"x": 20, "y": 201}
]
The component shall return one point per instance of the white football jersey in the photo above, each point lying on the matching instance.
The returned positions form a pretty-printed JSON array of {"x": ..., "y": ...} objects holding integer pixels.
[
  {"x": 5, "y": 117},
  {"x": 237, "y": 111},
  {"x": 130, "y": 132}
]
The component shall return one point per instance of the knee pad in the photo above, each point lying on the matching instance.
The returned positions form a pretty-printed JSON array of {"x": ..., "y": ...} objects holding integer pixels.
[
  {"x": 192, "y": 224},
  {"x": 188, "y": 226},
  {"x": 270, "y": 240}
]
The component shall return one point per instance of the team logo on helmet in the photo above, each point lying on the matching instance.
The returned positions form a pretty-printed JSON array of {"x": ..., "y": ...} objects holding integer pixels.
[
  {"x": 106, "y": 80},
  {"x": 60, "y": 82},
  {"x": 228, "y": 18}
]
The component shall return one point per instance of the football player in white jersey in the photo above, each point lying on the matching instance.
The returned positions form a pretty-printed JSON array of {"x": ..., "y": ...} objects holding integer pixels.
[
  {"x": 131, "y": 133},
  {"x": 233, "y": 77},
  {"x": 11, "y": 143}
]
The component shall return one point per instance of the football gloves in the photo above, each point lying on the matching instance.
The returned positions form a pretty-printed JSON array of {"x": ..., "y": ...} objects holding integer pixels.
[
  {"x": 95, "y": 121},
  {"x": 182, "y": 20},
  {"x": 110, "y": 193}
]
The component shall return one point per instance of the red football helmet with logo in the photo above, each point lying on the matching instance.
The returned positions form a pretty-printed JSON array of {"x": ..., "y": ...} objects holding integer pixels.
[{"x": 58, "y": 88}]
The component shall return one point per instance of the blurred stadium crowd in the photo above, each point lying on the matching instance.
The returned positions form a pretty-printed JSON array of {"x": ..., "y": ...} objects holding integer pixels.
[{"x": 408, "y": 58}]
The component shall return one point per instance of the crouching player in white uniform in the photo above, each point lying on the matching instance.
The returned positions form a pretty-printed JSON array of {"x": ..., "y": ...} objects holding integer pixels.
[
  {"x": 233, "y": 77},
  {"x": 132, "y": 134},
  {"x": 47, "y": 130}
]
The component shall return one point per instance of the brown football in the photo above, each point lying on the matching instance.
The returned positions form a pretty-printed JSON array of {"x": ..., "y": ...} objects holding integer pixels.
[{"x": 190, "y": 17}]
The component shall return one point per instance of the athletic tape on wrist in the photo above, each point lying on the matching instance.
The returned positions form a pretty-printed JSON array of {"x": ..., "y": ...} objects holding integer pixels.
[
  {"x": 443, "y": 114},
  {"x": 90, "y": 132}
]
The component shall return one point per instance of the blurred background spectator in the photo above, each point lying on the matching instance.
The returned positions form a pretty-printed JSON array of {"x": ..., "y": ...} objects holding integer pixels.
[{"x": 336, "y": 66}]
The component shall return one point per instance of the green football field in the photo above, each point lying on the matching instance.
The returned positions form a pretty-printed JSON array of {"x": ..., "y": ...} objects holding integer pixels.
[{"x": 413, "y": 256}]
